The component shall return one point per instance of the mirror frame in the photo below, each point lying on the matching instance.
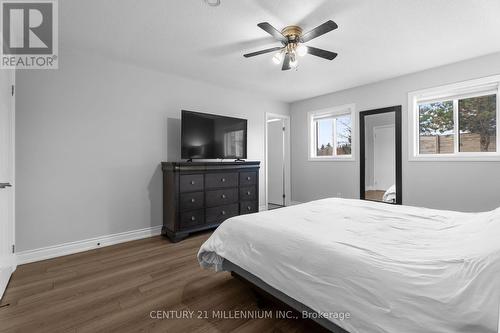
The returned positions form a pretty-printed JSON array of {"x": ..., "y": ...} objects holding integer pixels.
[{"x": 398, "y": 147}]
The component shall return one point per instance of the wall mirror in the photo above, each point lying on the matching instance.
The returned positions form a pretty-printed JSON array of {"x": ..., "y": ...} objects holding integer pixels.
[{"x": 380, "y": 155}]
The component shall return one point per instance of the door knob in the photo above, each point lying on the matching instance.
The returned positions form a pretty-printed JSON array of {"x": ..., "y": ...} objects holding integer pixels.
[
  {"x": 223, "y": 196},
  {"x": 193, "y": 199}
]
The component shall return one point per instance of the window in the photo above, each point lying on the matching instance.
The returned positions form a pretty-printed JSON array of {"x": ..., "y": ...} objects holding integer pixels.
[
  {"x": 457, "y": 122},
  {"x": 331, "y": 134}
]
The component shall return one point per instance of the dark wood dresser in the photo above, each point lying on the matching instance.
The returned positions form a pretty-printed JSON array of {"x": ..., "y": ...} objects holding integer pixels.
[{"x": 201, "y": 195}]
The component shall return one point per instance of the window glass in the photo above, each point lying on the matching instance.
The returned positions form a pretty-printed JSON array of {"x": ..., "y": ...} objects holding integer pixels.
[
  {"x": 344, "y": 135},
  {"x": 324, "y": 137},
  {"x": 436, "y": 128},
  {"x": 478, "y": 124}
]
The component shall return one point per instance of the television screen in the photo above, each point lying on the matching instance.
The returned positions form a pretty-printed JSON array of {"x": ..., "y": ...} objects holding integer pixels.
[{"x": 209, "y": 136}]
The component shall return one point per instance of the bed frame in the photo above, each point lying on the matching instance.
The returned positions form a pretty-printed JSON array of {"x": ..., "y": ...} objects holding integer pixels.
[{"x": 294, "y": 304}]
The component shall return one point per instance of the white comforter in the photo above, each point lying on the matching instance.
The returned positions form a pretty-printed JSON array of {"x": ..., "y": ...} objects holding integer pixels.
[{"x": 393, "y": 268}]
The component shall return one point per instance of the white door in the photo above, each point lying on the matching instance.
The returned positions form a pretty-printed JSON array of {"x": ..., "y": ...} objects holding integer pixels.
[
  {"x": 275, "y": 161},
  {"x": 384, "y": 157},
  {"x": 7, "y": 260}
]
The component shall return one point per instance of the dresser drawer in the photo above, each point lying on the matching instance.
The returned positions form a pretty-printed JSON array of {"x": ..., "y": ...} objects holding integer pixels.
[
  {"x": 192, "y": 218},
  {"x": 249, "y": 207},
  {"x": 191, "y": 183},
  {"x": 190, "y": 201},
  {"x": 221, "y": 197},
  {"x": 220, "y": 180},
  {"x": 248, "y": 193},
  {"x": 248, "y": 178},
  {"x": 219, "y": 214}
]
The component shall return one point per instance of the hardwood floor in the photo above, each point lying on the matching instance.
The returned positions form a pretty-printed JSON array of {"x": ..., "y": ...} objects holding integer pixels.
[
  {"x": 114, "y": 289},
  {"x": 271, "y": 206},
  {"x": 375, "y": 195}
]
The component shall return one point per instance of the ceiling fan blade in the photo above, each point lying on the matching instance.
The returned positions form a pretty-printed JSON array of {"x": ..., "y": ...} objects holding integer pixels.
[
  {"x": 321, "y": 53},
  {"x": 272, "y": 31},
  {"x": 286, "y": 63},
  {"x": 319, "y": 30},
  {"x": 253, "y": 54}
]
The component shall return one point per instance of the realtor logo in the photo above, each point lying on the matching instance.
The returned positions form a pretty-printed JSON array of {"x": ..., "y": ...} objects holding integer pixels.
[{"x": 29, "y": 34}]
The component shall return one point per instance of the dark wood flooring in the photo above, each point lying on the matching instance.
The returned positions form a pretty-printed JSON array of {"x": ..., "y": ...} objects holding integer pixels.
[
  {"x": 271, "y": 206},
  {"x": 114, "y": 289}
]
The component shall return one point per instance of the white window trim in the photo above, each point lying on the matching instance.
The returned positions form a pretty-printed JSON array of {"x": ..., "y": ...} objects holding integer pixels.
[
  {"x": 334, "y": 112},
  {"x": 470, "y": 88}
]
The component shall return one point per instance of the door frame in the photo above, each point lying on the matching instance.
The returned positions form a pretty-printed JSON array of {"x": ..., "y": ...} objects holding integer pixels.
[
  {"x": 13, "y": 260},
  {"x": 398, "y": 146},
  {"x": 287, "y": 178},
  {"x": 13, "y": 107}
]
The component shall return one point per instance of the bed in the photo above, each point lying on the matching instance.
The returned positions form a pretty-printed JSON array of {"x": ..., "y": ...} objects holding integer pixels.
[
  {"x": 390, "y": 195},
  {"x": 392, "y": 268}
]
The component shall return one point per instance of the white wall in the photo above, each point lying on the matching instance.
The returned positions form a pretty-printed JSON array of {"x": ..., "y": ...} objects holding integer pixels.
[
  {"x": 90, "y": 138},
  {"x": 465, "y": 186},
  {"x": 384, "y": 164}
]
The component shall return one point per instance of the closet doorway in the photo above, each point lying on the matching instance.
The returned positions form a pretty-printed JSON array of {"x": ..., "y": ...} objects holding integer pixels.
[
  {"x": 380, "y": 155},
  {"x": 277, "y": 161}
]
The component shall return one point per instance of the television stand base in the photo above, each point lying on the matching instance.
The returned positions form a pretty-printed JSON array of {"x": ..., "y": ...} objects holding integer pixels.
[{"x": 239, "y": 160}]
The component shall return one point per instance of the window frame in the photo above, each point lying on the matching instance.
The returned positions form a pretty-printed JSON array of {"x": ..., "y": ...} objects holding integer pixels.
[
  {"x": 337, "y": 111},
  {"x": 454, "y": 92}
]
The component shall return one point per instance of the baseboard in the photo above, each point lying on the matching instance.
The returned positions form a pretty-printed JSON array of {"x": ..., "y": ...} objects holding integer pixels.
[
  {"x": 262, "y": 207},
  {"x": 54, "y": 251}
]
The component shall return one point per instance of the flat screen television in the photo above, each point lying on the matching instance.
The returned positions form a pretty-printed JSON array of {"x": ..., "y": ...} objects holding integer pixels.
[{"x": 209, "y": 136}]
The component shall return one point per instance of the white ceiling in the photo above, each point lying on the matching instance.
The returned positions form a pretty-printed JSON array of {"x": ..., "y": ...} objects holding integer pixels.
[{"x": 376, "y": 40}]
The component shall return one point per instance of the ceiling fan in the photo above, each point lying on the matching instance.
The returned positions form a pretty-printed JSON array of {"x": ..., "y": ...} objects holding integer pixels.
[{"x": 292, "y": 40}]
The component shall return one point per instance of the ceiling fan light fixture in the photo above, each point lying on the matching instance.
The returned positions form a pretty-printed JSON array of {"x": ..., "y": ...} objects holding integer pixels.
[
  {"x": 212, "y": 3},
  {"x": 301, "y": 50},
  {"x": 278, "y": 58},
  {"x": 292, "y": 44}
]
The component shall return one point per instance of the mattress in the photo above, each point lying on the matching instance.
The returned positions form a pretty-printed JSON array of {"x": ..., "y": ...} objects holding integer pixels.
[{"x": 391, "y": 268}]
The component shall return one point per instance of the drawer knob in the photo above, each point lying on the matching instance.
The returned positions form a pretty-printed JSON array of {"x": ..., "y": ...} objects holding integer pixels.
[
  {"x": 223, "y": 180},
  {"x": 223, "y": 212},
  {"x": 223, "y": 196},
  {"x": 248, "y": 192},
  {"x": 193, "y": 218},
  {"x": 249, "y": 208},
  {"x": 192, "y": 182},
  {"x": 249, "y": 178},
  {"x": 193, "y": 200}
]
